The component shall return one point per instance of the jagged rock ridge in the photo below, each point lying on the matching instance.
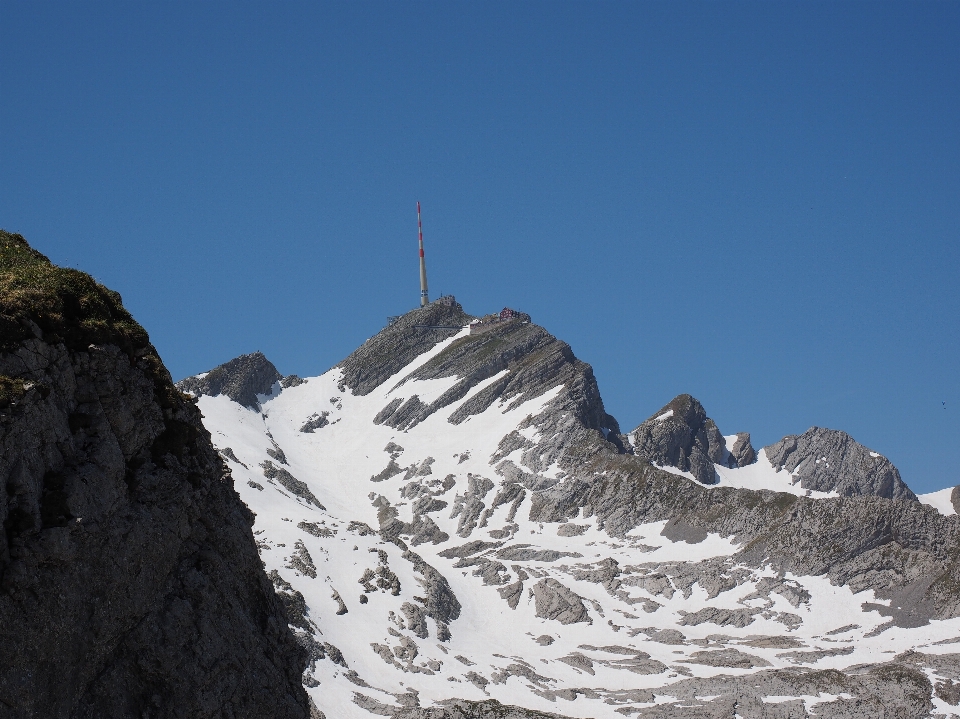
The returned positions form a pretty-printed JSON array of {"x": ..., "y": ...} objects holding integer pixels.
[
  {"x": 130, "y": 580},
  {"x": 681, "y": 435}
]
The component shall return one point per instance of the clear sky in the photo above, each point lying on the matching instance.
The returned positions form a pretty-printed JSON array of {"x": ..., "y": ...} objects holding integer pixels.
[{"x": 755, "y": 203}]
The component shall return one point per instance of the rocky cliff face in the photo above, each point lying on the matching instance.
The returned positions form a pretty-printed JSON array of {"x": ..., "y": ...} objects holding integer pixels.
[
  {"x": 681, "y": 435},
  {"x": 828, "y": 460},
  {"x": 130, "y": 580}
]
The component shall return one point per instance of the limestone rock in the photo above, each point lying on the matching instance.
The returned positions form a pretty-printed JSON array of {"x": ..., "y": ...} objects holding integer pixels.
[
  {"x": 241, "y": 379},
  {"x": 681, "y": 435},
  {"x": 742, "y": 453},
  {"x": 830, "y": 460},
  {"x": 396, "y": 345},
  {"x": 555, "y": 601}
]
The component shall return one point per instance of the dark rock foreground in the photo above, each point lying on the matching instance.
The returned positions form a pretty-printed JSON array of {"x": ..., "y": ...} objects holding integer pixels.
[{"x": 130, "y": 584}]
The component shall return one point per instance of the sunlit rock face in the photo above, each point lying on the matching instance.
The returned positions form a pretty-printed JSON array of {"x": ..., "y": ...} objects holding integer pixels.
[{"x": 828, "y": 460}]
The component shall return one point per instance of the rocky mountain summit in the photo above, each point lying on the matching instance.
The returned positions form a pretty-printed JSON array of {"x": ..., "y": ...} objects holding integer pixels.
[
  {"x": 681, "y": 435},
  {"x": 459, "y": 529},
  {"x": 241, "y": 379},
  {"x": 130, "y": 583},
  {"x": 828, "y": 460}
]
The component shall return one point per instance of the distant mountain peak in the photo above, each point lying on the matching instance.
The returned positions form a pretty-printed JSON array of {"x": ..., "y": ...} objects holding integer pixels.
[
  {"x": 681, "y": 435},
  {"x": 241, "y": 379}
]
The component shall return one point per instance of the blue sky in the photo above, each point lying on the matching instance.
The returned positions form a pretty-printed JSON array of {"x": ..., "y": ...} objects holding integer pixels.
[{"x": 755, "y": 203}]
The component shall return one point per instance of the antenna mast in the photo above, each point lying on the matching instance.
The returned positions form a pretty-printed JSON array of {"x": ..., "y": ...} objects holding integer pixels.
[{"x": 424, "y": 298}]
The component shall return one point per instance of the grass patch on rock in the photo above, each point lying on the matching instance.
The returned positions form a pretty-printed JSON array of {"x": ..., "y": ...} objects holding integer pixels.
[{"x": 66, "y": 305}]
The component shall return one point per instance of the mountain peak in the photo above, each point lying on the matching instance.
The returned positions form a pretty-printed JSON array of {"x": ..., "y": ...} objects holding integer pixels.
[
  {"x": 681, "y": 435},
  {"x": 397, "y": 344},
  {"x": 831, "y": 460},
  {"x": 241, "y": 379}
]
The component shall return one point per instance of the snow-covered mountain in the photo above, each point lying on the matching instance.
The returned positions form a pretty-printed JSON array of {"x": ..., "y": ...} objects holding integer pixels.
[{"x": 453, "y": 520}]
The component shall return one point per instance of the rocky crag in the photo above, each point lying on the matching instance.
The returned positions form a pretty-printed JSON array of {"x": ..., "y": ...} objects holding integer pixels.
[
  {"x": 496, "y": 547},
  {"x": 130, "y": 584},
  {"x": 242, "y": 379}
]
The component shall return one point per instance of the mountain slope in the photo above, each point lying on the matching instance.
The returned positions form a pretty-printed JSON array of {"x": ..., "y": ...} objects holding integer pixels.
[
  {"x": 457, "y": 522},
  {"x": 131, "y": 583}
]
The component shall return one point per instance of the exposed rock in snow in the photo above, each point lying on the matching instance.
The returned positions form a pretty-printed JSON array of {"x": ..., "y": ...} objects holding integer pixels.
[
  {"x": 681, "y": 435},
  {"x": 555, "y": 601},
  {"x": 742, "y": 452}
]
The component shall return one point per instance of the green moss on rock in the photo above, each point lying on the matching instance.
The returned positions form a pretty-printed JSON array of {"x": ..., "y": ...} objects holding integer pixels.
[{"x": 66, "y": 305}]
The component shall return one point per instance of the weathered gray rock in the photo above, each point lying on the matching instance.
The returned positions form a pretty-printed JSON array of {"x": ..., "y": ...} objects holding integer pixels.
[
  {"x": 900, "y": 548},
  {"x": 681, "y": 435},
  {"x": 732, "y": 658},
  {"x": 469, "y": 505},
  {"x": 416, "y": 619},
  {"x": 512, "y": 593},
  {"x": 290, "y": 483},
  {"x": 241, "y": 379},
  {"x": 742, "y": 453},
  {"x": 315, "y": 421},
  {"x": 721, "y": 617},
  {"x": 131, "y": 580},
  {"x": 896, "y": 689},
  {"x": 440, "y": 602},
  {"x": 463, "y": 709},
  {"x": 828, "y": 460},
  {"x": 301, "y": 560},
  {"x": 468, "y": 549},
  {"x": 398, "y": 344},
  {"x": 554, "y": 601},
  {"x": 528, "y": 553}
]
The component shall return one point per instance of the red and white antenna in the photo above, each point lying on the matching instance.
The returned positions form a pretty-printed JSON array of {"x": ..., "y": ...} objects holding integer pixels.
[{"x": 424, "y": 297}]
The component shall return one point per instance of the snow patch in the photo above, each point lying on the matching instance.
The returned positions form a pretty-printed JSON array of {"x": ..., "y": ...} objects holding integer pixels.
[{"x": 940, "y": 501}]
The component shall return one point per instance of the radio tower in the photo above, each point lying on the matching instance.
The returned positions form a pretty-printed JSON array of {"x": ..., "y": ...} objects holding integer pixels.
[{"x": 424, "y": 298}]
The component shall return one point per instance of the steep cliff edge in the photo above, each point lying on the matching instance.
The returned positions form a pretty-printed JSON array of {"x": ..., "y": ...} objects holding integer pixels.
[{"x": 130, "y": 583}]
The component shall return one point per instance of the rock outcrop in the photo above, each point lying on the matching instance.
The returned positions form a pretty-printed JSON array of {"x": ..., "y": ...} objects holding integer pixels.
[
  {"x": 828, "y": 460},
  {"x": 681, "y": 435},
  {"x": 241, "y": 379},
  {"x": 131, "y": 584},
  {"x": 397, "y": 344},
  {"x": 742, "y": 452}
]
